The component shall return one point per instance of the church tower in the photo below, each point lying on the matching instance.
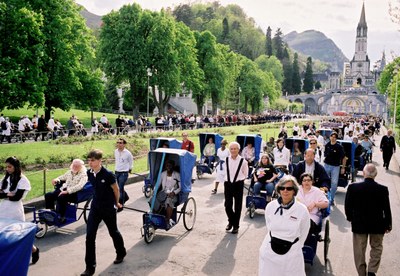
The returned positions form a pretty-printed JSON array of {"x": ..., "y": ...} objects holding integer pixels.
[{"x": 357, "y": 73}]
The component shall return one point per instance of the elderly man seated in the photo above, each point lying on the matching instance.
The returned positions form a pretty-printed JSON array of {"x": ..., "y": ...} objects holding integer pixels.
[
  {"x": 209, "y": 152},
  {"x": 74, "y": 180}
]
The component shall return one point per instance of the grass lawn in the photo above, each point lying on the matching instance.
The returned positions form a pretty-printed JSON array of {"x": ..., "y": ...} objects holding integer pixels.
[{"x": 48, "y": 151}]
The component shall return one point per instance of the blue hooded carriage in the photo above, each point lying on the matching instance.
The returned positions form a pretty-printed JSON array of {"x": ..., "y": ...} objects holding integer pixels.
[
  {"x": 184, "y": 164},
  {"x": 203, "y": 166}
]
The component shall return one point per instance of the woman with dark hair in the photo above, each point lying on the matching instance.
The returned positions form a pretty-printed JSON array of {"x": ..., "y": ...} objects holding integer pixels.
[
  {"x": 13, "y": 189},
  {"x": 264, "y": 177}
]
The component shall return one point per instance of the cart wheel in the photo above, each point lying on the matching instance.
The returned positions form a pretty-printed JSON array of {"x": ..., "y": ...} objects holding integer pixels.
[
  {"x": 42, "y": 229},
  {"x": 199, "y": 173},
  {"x": 326, "y": 241},
  {"x": 149, "y": 233},
  {"x": 148, "y": 192},
  {"x": 252, "y": 209},
  {"x": 86, "y": 210},
  {"x": 189, "y": 213}
]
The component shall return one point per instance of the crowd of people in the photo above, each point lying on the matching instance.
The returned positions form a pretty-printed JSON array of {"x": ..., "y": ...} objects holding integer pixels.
[{"x": 295, "y": 200}]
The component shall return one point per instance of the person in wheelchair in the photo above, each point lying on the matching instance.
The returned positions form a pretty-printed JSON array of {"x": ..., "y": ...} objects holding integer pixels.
[
  {"x": 358, "y": 154},
  {"x": 314, "y": 199},
  {"x": 209, "y": 152},
  {"x": 367, "y": 145},
  {"x": 264, "y": 177},
  {"x": 73, "y": 181},
  {"x": 281, "y": 156},
  {"x": 314, "y": 168},
  {"x": 168, "y": 193}
]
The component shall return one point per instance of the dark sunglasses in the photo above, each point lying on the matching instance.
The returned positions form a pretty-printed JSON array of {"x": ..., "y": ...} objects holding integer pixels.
[
  {"x": 286, "y": 188},
  {"x": 312, "y": 143}
]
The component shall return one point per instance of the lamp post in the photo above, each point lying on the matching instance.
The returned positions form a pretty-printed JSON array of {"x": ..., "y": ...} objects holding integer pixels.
[
  {"x": 149, "y": 74},
  {"x": 395, "y": 98}
]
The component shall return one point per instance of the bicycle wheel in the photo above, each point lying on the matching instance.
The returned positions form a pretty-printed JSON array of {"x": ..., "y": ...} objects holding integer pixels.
[
  {"x": 149, "y": 233},
  {"x": 42, "y": 229},
  {"x": 189, "y": 213},
  {"x": 86, "y": 210}
]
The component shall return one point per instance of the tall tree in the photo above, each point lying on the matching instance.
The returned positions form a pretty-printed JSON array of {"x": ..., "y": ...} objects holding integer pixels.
[
  {"x": 22, "y": 79},
  {"x": 183, "y": 13},
  {"x": 268, "y": 42},
  {"x": 296, "y": 80},
  {"x": 123, "y": 50},
  {"x": 308, "y": 84},
  {"x": 271, "y": 64},
  {"x": 287, "y": 86},
  {"x": 67, "y": 57},
  {"x": 278, "y": 44},
  {"x": 225, "y": 30}
]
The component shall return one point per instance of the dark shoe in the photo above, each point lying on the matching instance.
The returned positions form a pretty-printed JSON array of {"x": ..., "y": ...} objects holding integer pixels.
[
  {"x": 120, "y": 209},
  {"x": 333, "y": 203},
  {"x": 229, "y": 227},
  {"x": 88, "y": 272},
  {"x": 120, "y": 258},
  {"x": 35, "y": 256},
  {"x": 235, "y": 230},
  {"x": 214, "y": 191},
  {"x": 371, "y": 274}
]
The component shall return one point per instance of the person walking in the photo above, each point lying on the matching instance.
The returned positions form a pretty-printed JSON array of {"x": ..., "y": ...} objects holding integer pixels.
[
  {"x": 103, "y": 208},
  {"x": 288, "y": 223},
  {"x": 334, "y": 162},
  {"x": 13, "y": 189},
  {"x": 367, "y": 207},
  {"x": 388, "y": 147},
  {"x": 123, "y": 166},
  {"x": 236, "y": 172},
  {"x": 186, "y": 143},
  {"x": 222, "y": 154}
]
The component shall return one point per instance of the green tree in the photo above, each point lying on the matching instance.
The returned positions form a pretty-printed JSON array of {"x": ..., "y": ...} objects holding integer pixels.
[
  {"x": 268, "y": 42},
  {"x": 183, "y": 13},
  {"x": 123, "y": 50},
  {"x": 22, "y": 79},
  {"x": 67, "y": 57},
  {"x": 271, "y": 64},
  {"x": 278, "y": 44},
  {"x": 296, "y": 80},
  {"x": 225, "y": 30},
  {"x": 318, "y": 85},
  {"x": 308, "y": 84},
  {"x": 287, "y": 73}
]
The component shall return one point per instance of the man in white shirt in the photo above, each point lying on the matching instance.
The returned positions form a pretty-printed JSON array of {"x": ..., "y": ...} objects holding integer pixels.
[
  {"x": 237, "y": 171},
  {"x": 123, "y": 166}
]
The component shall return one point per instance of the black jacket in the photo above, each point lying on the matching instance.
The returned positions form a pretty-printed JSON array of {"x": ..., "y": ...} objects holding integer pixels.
[
  {"x": 367, "y": 207},
  {"x": 321, "y": 178}
]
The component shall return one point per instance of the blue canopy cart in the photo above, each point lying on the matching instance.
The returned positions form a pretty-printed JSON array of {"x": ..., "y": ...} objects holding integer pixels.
[{"x": 204, "y": 165}]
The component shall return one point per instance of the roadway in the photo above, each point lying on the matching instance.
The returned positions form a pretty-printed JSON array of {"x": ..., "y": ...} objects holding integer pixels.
[{"x": 208, "y": 249}]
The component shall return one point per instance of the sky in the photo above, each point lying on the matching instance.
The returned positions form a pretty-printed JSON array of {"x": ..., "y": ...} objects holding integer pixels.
[{"x": 337, "y": 19}]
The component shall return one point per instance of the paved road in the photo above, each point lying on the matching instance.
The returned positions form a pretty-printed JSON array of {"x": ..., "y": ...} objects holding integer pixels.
[{"x": 207, "y": 249}]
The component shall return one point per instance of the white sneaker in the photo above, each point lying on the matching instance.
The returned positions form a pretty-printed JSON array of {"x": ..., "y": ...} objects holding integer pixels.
[{"x": 171, "y": 222}]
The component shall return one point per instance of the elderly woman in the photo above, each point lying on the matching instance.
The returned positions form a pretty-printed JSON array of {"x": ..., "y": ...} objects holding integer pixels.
[
  {"x": 264, "y": 177},
  {"x": 314, "y": 199},
  {"x": 288, "y": 222},
  {"x": 209, "y": 152},
  {"x": 74, "y": 180}
]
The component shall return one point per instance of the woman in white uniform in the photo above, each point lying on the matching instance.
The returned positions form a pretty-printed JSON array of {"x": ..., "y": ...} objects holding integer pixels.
[
  {"x": 13, "y": 189},
  {"x": 222, "y": 154},
  {"x": 288, "y": 222}
]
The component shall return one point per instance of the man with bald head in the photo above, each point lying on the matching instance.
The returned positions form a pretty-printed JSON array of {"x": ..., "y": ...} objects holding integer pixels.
[
  {"x": 367, "y": 207},
  {"x": 309, "y": 165}
]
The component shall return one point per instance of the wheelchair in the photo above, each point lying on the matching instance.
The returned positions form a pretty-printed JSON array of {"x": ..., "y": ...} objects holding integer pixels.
[
  {"x": 208, "y": 164},
  {"x": 310, "y": 245},
  {"x": 154, "y": 219},
  {"x": 45, "y": 218}
]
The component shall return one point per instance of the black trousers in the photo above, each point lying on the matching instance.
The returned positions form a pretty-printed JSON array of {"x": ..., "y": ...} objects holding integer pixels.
[
  {"x": 233, "y": 201},
  {"x": 387, "y": 155},
  {"x": 62, "y": 201},
  {"x": 110, "y": 219}
]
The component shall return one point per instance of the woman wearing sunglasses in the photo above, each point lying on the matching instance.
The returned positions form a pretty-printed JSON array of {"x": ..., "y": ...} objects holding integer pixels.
[{"x": 288, "y": 222}]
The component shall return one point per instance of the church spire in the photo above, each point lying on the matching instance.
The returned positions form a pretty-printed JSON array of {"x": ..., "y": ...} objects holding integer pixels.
[
  {"x": 362, "y": 24},
  {"x": 363, "y": 21}
]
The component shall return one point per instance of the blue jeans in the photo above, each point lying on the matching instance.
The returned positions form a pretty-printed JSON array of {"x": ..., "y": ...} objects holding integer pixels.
[
  {"x": 333, "y": 173},
  {"x": 122, "y": 177},
  {"x": 268, "y": 186}
]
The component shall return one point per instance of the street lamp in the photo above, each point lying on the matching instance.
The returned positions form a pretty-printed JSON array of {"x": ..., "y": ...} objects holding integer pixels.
[
  {"x": 240, "y": 90},
  {"x": 395, "y": 98},
  {"x": 149, "y": 74}
]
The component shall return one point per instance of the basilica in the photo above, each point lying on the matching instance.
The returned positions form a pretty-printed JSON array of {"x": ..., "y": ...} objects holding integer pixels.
[{"x": 352, "y": 91}]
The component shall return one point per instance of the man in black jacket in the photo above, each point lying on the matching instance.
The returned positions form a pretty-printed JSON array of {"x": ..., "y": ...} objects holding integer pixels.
[
  {"x": 309, "y": 165},
  {"x": 367, "y": 207},
  {"x": 388, "y": 147}
]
